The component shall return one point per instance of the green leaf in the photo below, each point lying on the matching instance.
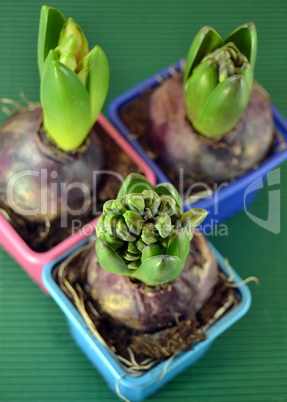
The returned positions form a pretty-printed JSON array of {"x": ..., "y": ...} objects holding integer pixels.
[
  {"x": 169, "y": 189},
  {"x": 152, "y": 251},
  {"x": 51, "y": 23},
  {"x": 134, "y": 183},
  {"x": 65, "y": 103},
  {"x": 179, "y": 245},
  {"x": 224, "y": 107},
  {"x": 109, "y": 260},
  {"x": 52, "y": 56},
  {"x": 247, "y": 72},
  {"x": 98, "y": 79},
  {"x": 245, "y": 38},
  {"x": 199, "y": 87},
  {"x": 158, "y": 269},
  {"x": 205, "y": 42},
  {"x": 83, "y": 75}
]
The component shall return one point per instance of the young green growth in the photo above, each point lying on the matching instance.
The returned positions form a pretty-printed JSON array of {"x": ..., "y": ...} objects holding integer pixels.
[
  {"x": 74, "y": 81},
  {"x": 144, "y": 233},
  {"x": 218, "y": 79}
]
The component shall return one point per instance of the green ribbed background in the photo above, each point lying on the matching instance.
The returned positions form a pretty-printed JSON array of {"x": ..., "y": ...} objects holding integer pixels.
[{"x": 38, "y": 359}]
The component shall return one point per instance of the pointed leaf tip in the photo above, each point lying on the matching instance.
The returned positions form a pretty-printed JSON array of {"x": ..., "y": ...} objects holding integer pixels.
[
  {"x": 206, "y": 41},
  {"x": 245, "y": 38},
  {"x": 98, "y": 79},
  {"x": 50, "y": 25}
]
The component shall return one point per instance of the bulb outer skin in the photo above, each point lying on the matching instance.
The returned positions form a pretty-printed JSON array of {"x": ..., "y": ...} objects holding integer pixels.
[{"x": 44, "y": 183}]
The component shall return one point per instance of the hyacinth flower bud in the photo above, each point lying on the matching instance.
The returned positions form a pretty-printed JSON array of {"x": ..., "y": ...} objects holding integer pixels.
[
  {"x": 219, "y": 78},
  {"x": 148, "y": 236}
]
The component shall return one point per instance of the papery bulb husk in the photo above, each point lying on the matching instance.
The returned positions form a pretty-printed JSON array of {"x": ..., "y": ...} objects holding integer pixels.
[
  {"x": 22, "y": 149},
  {"x": 148, "y": 309},
  {"x": 179, "y": 146}
]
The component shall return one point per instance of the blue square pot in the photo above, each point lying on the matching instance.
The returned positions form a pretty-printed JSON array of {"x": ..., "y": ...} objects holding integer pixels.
[
  {"x": 226, "y": 201},
  {"x": 139, "y": 388}
]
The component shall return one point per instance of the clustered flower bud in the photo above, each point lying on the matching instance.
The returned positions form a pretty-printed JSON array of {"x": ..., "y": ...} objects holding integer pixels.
[
  {"x": 218, "y": 79},
  {"x": 145, "y": 234}
]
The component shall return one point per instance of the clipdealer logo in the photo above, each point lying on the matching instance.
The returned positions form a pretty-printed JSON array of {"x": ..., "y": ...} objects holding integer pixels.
[
  {"x": 272, "y": 223},
  {"x": 215, "y": 227}
]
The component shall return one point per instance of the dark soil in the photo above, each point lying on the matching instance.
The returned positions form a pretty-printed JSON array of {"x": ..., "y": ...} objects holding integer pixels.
[
  {"x": 158, "y": 345},
  {"x": 34, "y": 233}
]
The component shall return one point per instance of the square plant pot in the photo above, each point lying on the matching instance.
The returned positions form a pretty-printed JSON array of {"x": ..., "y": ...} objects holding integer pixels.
[
  {"x": 140, "y": 387},
  {"x": 226, "y": 200},
  {"x": 32, "y": 261}
]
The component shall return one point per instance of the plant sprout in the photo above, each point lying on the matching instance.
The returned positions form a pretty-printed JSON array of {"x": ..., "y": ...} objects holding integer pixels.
[
  {"x": 218, "y": 79},
  {"x": 74, "y": 80},
  {"x": 144, "y": 233}
]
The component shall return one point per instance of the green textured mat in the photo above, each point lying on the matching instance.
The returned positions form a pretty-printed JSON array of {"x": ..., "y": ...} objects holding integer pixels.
[{"x": 38, "y": 359}]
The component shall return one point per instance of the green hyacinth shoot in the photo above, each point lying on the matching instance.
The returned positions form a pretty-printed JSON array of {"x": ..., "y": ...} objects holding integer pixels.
[
  {"x": 219, "y": 78},
  {"x": 144, "y": 233},
  {"x": 74, "y": 80}
]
